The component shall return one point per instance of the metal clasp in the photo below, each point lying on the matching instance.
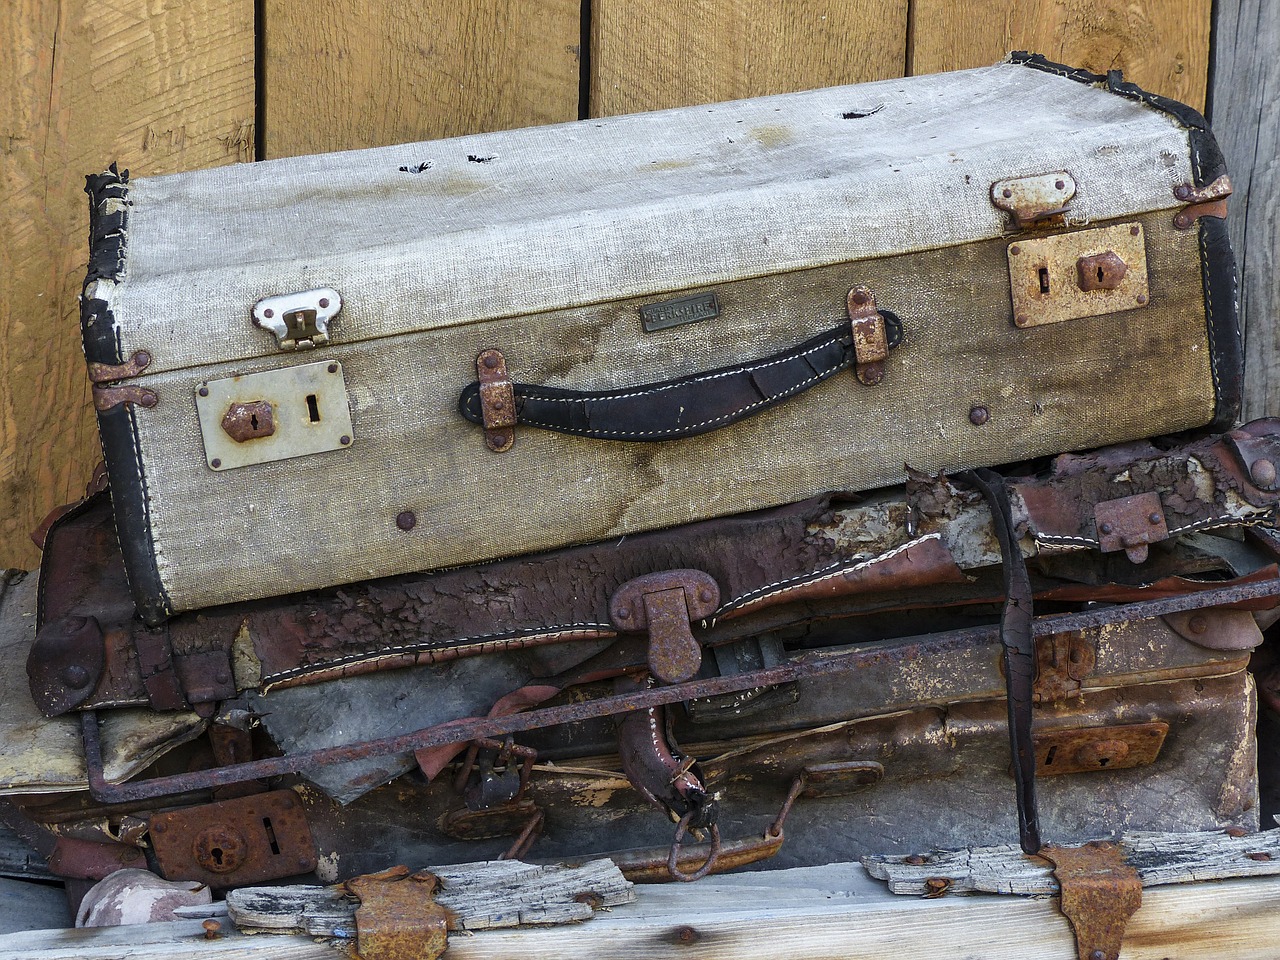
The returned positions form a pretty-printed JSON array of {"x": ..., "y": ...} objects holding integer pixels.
[
  {"x": 666, "y": 604},
  {"x": 870, "y": 336},
  {"x": 1040, "y": 199},
  {"x": 299, "y": 320}
]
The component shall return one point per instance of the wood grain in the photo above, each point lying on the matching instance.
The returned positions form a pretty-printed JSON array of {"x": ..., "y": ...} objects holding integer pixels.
[
  {"x": 1161, "y": 45},
  {"x": 1246, "y": 87},
  {"x": 654, "y": 54},
  {"x": 356, "y": 73},
  {"x": 159, "y": 85}
]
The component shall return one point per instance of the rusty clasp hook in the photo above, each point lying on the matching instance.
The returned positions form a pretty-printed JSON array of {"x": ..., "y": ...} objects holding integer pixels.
[{"x": 673, "y": 861}]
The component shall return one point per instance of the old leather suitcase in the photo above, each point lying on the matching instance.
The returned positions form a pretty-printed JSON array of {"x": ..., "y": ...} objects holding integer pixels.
[{"x": 320, "y": 370}]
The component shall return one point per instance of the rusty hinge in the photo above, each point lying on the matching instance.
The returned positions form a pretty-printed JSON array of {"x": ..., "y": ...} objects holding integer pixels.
[
  {"x": 398, "y": 917},
  {"x": 870, "y": 336},
  {"x": 234, "y": 842},
  {"x": 1207, "y": 201},
  {"x": 1088, "y": 749},
  {"x": 1099, "y": 892},
  {"x": 1130, "y": 524},
  {"x": 497, "y": 400},
  {"x": 1063, "y": 661},
  {"x": 107, "y": 390},
  {"x": 666, "y": 604},
  {"x": 1040, "y": 200}
]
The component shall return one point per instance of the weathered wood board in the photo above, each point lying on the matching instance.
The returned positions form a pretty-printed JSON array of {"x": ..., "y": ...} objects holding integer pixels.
[
  {"x": 353, "y": 73},
  {"x": 656, "y": 54},
  {"x": 157, "y": 86},
  {"x": 1246, "y": 120},
  {"x": 1161, "y": 45}
]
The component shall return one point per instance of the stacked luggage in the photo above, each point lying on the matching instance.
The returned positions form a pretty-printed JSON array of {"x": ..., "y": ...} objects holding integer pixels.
[{"x": 631, "y": 493}]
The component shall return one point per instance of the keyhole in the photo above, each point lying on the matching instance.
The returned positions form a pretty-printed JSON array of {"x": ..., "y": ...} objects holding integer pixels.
[
  {"x": 216, "y": 853},
  {"x": 313, "y": 408},
  {"x": 1044, "y": 279},
  {"x": 271, "y": 835},
  {"x": 1100, "y": 275},
  {"x": 1049, "y": 756},
  {"x": 1103, "y": 761},
  {"x": 253, "y": 419}
]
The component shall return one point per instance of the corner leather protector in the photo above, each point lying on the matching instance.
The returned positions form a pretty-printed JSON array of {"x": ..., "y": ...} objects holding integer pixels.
[
  {"x": 108, "y": 224},
  {"x": 1222, "y": 320},
  {"x": 130, "y": 498}
]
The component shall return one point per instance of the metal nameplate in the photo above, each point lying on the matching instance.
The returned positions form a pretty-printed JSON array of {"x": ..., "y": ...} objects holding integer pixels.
[
  {"x": 676, "y": 313},
  {"x": 1088, "y": 273},
  {"x": 274, "y": 415}
]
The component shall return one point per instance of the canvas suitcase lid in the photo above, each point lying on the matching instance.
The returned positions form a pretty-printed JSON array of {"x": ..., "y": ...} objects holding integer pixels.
[{"x": 457, "y": 231}]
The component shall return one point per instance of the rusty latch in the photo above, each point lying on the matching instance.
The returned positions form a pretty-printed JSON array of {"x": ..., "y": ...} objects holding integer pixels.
[
  {"x": 666, "y": 604},
  {"x": 1063, "y": 661},
  {"x": 1099, "y": 893},
  {"x": 107, "y": 390},
  {"x": 1130, "y": 524},
  {"x": 398, "y": 917},
  {"x": 497, "y": 400},
  {"x": 870, "y": 336},
  {"x": 1207, "y": 201},
  {"x": 1037, "y": 199}
]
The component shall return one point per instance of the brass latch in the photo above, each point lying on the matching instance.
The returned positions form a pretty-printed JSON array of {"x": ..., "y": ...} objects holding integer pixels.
[{"x": 666, "y": 604}]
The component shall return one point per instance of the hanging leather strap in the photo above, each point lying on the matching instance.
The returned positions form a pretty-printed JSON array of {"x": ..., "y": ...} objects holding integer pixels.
[
  {"x": 1019, "y": 651},
  {"x": 687, "y": 406}
]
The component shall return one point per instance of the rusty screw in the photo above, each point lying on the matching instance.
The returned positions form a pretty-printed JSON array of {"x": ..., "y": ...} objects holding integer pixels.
[
  {"x": 406, "y": 520},
  {"x": 979, "y": 415},
  {"x": 333, "y": 368},
  {"x": 915, "y": 860},
  {"x": 1263, "y": 473},
  {"x": 685, "y": 935}
]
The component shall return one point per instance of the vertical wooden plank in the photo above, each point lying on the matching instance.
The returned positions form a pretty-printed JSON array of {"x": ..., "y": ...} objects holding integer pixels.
[
  {"x": 1246, "y": 121},
  {"x": 653, "y": 54},
  {"x": 1161, "y": 45},
  {"x": 159, "y": 85},
  {"x": 364, "y": 73}
]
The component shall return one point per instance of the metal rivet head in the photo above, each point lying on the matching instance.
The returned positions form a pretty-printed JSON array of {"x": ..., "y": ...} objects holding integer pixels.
[
  {"x": 1007, "y": 193},
  {"x": 333, "y": 368},
  {"x": 344, "y": 440},
  {"x": 1198, "y": 623},
  {"x": 979, "y": 415},
  {"x": 1059, "y": 185},
  {"x": 406, "y": 520},
  {"x": 859, "y": 297},
  {"x": 76, "y": 677},
  {"x": 1263, "y": 472},
  {"x": 1015, "y": 249},
  {"x": 1182, "y": 220},
  {"x": 1105, "y": 528},
  {"x": 1182, "y": 192},
  {"x": 215, "y": 463},
  {"x": 705, "y": 595},
  {"x": 915, "y": 860},
  {"x": 204, "y": 391},
  {"x": 1154, "y": 517},
  {"x": 324, "y": 301},
  {"x": 1134, "y": 231},
  {"x": 624, "y": 613},
  {"x": 268, "y": 312},
  {"x": 1141, "y": 298},
  {"x": 1097, "y": 955},
  {"x": 490, "y": 361}
]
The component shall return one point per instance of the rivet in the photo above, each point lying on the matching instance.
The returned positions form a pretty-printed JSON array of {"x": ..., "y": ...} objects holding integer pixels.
[
  {"x": 1141, "y": 298},
  {"x": 303, "y": 863},
  {"x": 1059, "y": 185},
  {"x": 333, "y": 368},
  {"x": 1154, "y": 517},
  {"x": 324, "y": 301},
  {"x": 685, "y": 935},
  {"x": 344, "y": 440},
  {"x": 859, "y": 297},
  {"x": 212, "y": 929},
  {"x": 159, "y": 827},
  {"x": 1182, "y": 220},
  {"x": 1134, "y": 231},
  {"x": 215, "y": 463},
  {"x": 222, "y": 677},
  {"x": 406, "y": 520},
  {"x": 1182, "y": 192},
  {"x": 1105, "y": 528},
  {"x": 1263, "y": 472},
  {"x": 1015, "y": 249},
  {"x": 624, "y": 613},
  {"x": 268, "y": 313},
  {"x": 204, "y": 391},
  {"x": 1020, "y": 319},
  {"x": 1097, "y": 955},
  {"x": 76, "y": 677},
  {"x": 979, "y": 415},
  {"x": 1007, "y": 193},
  {"x": 142, "y": 357},
  {"x": 915, "y": 860},
  {"x": 1198, "y": 623},
  {"x": 705, "y": 595},
  {"x": 1236, "y": 831},
  {"x": 490, "y": 361},
  {"x": 1259, "y": 856}
]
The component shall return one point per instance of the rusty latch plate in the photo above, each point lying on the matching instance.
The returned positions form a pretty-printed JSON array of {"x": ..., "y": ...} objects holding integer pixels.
[
  {"x": 1099, "y": 892},
  {"x": 1130, "y": 524},
  {"x": 234, "y": 842},
  {"x": 1086, "y": 273},
  {"x": 1086, "y": 749},
  {"x": 1034, "y": 199},
  {"x": 398, "y": 918}
]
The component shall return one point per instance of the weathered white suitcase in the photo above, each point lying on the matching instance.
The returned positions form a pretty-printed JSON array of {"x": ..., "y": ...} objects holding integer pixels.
[{"x": 325, "y": 369}]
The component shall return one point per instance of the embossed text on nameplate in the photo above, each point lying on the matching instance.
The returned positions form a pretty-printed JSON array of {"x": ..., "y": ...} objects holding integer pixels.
[{"x": 675, "y": 313}]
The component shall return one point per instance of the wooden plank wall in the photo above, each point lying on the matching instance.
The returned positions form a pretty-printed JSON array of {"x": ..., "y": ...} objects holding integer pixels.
[{"x": 165, "y": 85}]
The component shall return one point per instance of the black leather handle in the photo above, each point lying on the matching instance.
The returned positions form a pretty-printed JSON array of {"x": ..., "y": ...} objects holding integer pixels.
[{"x": 687, "y": 406}]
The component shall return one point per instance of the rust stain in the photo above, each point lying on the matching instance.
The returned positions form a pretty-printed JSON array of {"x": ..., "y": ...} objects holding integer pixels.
[{"x": 773, "y": 135}]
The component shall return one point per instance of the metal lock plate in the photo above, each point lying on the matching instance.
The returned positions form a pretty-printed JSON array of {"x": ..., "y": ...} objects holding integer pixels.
[
  {"x": 1088, "y": 273},
  {"x": 234, "y": 842},
  {"x": 274, "y": 415},
  {"x": 1086, "y": 749}
]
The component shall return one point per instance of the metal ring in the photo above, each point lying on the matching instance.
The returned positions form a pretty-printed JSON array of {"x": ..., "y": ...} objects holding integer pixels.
[{"x": 673, "y": 861}]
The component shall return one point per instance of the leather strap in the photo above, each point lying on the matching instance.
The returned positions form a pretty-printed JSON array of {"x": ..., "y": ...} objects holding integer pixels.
[
  {"x": 687, "y": 406},
  {"x": 1019, "y": 651}
]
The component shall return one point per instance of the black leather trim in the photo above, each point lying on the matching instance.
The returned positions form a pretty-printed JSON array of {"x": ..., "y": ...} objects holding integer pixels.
[
  {"x": 1222, "y": 320},
  {"x": 130, "y": 500},
  {"x": 107, "y": 238},
  {"x": 687, "y": 406}
]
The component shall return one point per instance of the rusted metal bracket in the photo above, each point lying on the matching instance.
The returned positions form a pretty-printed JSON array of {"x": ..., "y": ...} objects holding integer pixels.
[
  {"x": 66, "y": 662},
  {"x": 398, "y": 917},
  {"x": 1088, "y": 749},
  {"x": 107, "y": 397},
  {"x": 1063, "y": 661},
  {"x": 907, "y": 649},
  {"x": 234, "y": 842},
  {"x": 1040, "y": 200},
  {"x": 497, "y": 400},
  {"x": 115, "y": 372},
  {"x": 870, "y": 336},
  {"x": 666, "y": 604},
  {"x": 1100, "y": 891},
  {"x": 1207, "y": 201},
  {"x": 1130, "y": 524}
]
